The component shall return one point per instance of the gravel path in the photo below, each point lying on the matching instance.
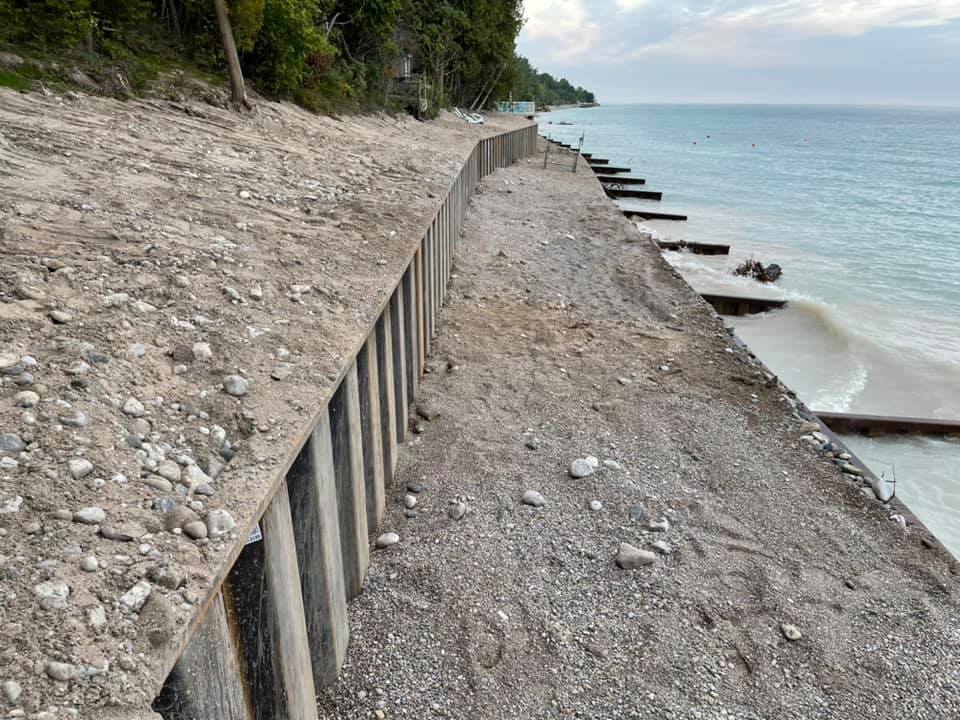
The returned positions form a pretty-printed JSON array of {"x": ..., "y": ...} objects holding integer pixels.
[{"x": 758, "y": 581}]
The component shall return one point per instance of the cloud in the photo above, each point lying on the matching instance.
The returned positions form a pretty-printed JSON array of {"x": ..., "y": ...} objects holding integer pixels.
[
  {"x": 563, "y": 26},
  {"x": 761, "y": 34},
  {"x": 847, "y": 17}
]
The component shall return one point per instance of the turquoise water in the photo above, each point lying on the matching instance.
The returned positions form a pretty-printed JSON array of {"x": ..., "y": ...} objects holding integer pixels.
[{"x": 861, "y": 208}]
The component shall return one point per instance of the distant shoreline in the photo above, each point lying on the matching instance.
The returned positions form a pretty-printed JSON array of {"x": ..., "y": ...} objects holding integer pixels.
[{"x": 551, "y": 108}]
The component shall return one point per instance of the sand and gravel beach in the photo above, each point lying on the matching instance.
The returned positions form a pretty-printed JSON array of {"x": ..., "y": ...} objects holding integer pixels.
[
  {"x": 775, "y": 587},
  {"x": 181, "y": 288}
]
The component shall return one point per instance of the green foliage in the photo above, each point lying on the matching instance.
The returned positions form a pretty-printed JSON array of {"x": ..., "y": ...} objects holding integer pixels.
[
  {"x": 246, "y": 16},
  {"x": 466, "y": 46},
  {"x": 544, "y": 88},
  {"x": 290, "y": 48},
  {"x": 328, "y": 55},
  {"x": 14, "y": 80}
]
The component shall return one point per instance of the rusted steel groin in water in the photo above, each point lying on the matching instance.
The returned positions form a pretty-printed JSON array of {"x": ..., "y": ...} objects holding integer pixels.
[
  {"x": 615, "y": 192},
  {"x": 608, "y": 169},
  {"x": 617, "y": 180},
  {"x": 734, "y": 305},
  {"x": 853, "y": 424},
  {"x": 273, "y": 630},
  {"x": 598, "y": 161},
  {"x": 697, "y": 248},
  {"x": 651, "y": 214}
]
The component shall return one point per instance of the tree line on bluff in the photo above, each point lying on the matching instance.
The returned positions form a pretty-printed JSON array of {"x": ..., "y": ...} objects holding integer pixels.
[{"x": 324, "y": 54}]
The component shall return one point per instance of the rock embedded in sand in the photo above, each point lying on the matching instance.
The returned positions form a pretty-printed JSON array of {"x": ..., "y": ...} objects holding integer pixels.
[
  {"x": 790, "y": 632},
  {"x": 457, "y": 510},
  {"x": 8, "y": 360},
  {"x": 282, "y": 371},
  {"x": 97, "y": 617},
  {"x": 11, "y": 443},
  {"x": 193, "y": 477},
  {"x": 661, "y": 525},
  {"x": 219, "y": 523},
  {"x": 52, "y": 594},
  {"x": 60, "y": 317},
  {"x": 387, "y": 539},
  {"x": 90, "y": 564},
  {"x": 158, "y": 483},
  {"x": 630, "y": 558},
  {"x": 612, "y": 465},
  {"x": 636, "y": 513},
  {"x": 27, "y": 399},
  {"x": 235, "y": 385},
  {"x": 596, "y": 505},
  {"x": 202, "y": 351},
  {"x": 134, "y": 408},
  {"x": 580, "y": 468},
  {"x": 533, "y": 498},
  {"x": 195, "y": 530},
  {"x": 169, "y": 470},
  {"x": 80, "y": 468},
  {"x": 178, "y": 517},
  {"x": 90, "y": 516},
  {"x": 427, "y": 410},
  {"x": 136, "y": 596},
  {"x": 410, "y": 501},
  {"x": 74, "y": 419},
  {"x": 11, "y": 691},
  {"x": 663, "y": 547},
  {"x": 64, "y": 672}
]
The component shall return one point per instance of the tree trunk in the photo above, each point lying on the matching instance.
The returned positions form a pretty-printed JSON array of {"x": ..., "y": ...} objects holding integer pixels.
[{"x": 238, "y": 95}]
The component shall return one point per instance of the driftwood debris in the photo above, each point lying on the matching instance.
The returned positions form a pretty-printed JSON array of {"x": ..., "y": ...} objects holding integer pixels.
[{"x": 758, "y": 271}]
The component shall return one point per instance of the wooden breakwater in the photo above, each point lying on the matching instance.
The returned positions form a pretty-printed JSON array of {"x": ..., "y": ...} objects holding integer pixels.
[
  {"x": 273, "y": 630},
  {"x": 697, "y": 248},
  {"x": 736, "y": 305},
  {"x": 617, "y": 180},
  {"x": 853, "y": 424}
]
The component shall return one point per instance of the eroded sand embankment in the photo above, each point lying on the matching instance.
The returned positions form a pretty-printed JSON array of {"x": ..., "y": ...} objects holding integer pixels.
[{"x": 567, "y": 336}]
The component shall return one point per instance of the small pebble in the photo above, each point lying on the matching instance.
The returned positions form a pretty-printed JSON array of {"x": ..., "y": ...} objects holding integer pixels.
[
  {"x": 533, "y": 498},
  {"x": 90, "y": 564},
  {"x": 790, "y": 632},
  {"x": 663, "y": 547},
  {"x": 581, "y": 468},
  {"x": 387, "y": 539},
  {"x": 27, "y": 399},
  {"x": 90, "y": 516},
  {"x": 235, "y": 385},
  {"x": 80, "y": 468},
  {"x": 134, "y": 408},
  {"x": 457, "y": 511},
  {"x": 629, "y": 557},
  {"x": 596, "y": 505},
  {"x": 196, "y": 530},
  {"x": 661, "y": 525}
]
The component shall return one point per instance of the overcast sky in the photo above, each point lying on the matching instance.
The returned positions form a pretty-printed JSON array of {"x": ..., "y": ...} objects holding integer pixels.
[{"x": 895, "y": 52}]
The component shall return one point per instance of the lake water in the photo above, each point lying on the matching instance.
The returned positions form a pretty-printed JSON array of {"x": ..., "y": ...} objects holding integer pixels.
[{"x": 861, "y": 208}]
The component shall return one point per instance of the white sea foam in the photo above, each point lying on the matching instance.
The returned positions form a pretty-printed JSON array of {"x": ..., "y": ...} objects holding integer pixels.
[{"x": 841, "y": 398}]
